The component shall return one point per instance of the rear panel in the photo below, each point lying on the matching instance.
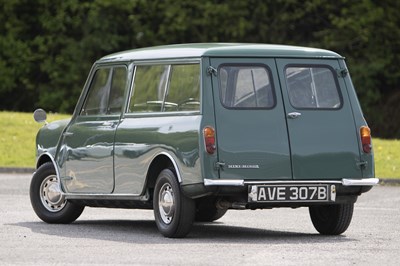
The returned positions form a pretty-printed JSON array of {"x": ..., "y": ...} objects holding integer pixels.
[
  {"x": 284, "y": 119},
  {"x": 368, "y": 169}
]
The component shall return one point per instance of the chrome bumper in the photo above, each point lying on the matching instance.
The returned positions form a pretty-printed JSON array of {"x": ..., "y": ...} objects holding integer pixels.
[{"x": 241, "y": 182}]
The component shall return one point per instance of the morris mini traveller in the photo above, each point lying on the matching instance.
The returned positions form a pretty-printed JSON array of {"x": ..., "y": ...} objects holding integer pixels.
[{"x": 194, "y": 130}]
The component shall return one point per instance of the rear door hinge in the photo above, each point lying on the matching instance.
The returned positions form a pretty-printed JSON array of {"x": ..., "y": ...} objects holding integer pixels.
[
  {"x": 342, "y": 72},
  {"x": 219, "y": 165},
  {"x": 211, "y": 71},
  {"x": 362, "y": 164}
]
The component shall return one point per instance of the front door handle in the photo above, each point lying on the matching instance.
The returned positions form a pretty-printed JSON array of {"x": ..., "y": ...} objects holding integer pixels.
[
  {"x": 293, "y": 115},
  {"x": 109, "y": 124},
  {"x": 67, "y": 134}
]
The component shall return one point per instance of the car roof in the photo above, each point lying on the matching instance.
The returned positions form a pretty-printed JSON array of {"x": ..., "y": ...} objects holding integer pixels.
[{"x": 197, "y": 50}]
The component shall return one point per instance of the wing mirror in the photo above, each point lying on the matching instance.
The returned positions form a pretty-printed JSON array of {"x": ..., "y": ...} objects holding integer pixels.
[{"x": 40, "y": 116}]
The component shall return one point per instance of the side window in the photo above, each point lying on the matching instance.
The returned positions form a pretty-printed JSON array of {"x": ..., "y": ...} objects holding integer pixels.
[
  {"x": 166, "y": 88},
  {"x": 184, "y": 88},
  {"x": 312, "y": 87},
  {"x": 246, "y": 87},
  {"x": 117, "y": 93},
  {"x": 97, "y": 98},
  {"x": 149, "y": 88},
  {"x": 106, "y": 92}
]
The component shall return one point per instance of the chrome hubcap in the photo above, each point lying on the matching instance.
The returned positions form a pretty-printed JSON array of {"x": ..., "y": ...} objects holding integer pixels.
[
  {"x": 50, "y": 194},
  {"x": 166, "y": 203}
]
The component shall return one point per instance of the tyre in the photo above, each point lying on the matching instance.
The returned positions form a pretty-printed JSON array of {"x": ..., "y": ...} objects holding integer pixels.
[
  {"x": 47, "y": 200},
  {"x": 331, "y": 219},
  {"x": 206, "y": 211},
  {"x": 173, "y": 212}
]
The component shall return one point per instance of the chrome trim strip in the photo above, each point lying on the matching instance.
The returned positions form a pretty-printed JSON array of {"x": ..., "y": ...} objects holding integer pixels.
[
  {"x": 360, "y": 182},
  {"x": 288, "y": 182},
  {"x": 241, "y": 182},
  {"x": 53, "y": 161},
  {"x": 223, "y": 182},
  {"x": 82, "y": 196},
  {"x": 178, "y": 172}
]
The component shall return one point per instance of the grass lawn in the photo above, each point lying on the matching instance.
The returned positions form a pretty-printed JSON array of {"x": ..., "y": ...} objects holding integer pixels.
[
  {"x": 17, "y": 144},
  {"x": 17, "y": 139},
  {"x": 387, "y": 158}
]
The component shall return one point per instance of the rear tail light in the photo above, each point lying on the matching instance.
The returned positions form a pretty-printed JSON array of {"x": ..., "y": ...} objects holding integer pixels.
[
  {"x": 365, "y": 134},
  {"x": 209, "y": 139}
]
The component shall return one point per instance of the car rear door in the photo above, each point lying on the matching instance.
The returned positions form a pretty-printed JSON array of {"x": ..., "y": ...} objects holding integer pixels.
[
  {"x": 252, "y": 140},
  {"x": 322, "y": 132}
]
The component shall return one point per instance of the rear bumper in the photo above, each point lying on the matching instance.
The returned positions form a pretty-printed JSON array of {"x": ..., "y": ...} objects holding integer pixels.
[
  {"x": 238, "y": 192},
  {"x": 240, "y": 182}
]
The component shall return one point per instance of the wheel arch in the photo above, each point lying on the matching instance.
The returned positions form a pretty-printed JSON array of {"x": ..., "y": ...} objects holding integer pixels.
[
  {"x": 45, "y": 158},
  {"x": 160, "y": 162}
]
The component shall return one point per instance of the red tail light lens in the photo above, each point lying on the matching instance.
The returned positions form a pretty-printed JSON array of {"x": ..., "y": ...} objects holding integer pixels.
[
  {"x": 209, "y": 139},
  {"x": 365, "y": 134}
]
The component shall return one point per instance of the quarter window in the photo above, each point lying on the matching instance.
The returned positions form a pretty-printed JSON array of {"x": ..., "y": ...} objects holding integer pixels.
[
  {"x": 149, "y": 88},
  {"x": 246, "y": 87},
  {"x": 106, "y": 92},
  {"x": 184, "y": 88},
  {"x": 312, "y": 87}
]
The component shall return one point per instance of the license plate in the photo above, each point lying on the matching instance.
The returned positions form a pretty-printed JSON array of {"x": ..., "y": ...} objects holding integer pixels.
[{"x": 292, "y": 193}]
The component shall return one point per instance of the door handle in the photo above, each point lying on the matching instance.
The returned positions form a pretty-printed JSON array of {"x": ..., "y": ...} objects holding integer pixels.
[
  {"x": 109, "y": 124},
  {"x": 67, "y": 134},
  {"x": 293, "y": 115}
]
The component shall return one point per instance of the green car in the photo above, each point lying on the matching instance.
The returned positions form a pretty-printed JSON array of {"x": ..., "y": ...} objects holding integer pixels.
[{"x": 194, "y": 130}]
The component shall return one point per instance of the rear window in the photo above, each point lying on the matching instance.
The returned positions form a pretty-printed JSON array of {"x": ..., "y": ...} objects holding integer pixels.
[
  {"x": 246, "y": 87},
  {"x": 313, "y": 87}
]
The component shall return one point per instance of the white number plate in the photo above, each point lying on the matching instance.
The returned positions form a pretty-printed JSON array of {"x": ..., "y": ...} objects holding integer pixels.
[{"x": 292, "y": 193}]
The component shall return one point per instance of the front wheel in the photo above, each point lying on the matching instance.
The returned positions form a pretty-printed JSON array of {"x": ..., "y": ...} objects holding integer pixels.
[
  {"x": 47, "y": 200},
  {"x": 331, "y": 219},
  {"x": 174, "y": 213}
]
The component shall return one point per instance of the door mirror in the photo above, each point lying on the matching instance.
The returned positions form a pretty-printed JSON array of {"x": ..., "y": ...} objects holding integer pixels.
[{"x": 40, "y": 116}]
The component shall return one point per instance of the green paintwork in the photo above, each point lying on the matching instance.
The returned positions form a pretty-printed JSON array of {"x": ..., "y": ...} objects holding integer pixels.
[
  {"x": 252, "y": 138},
  {"x": 85, "y": 157},
  {"x": 48, "y": 137},
  {"x": 324, "y": 143},
  {"x": 114, "y": 154}
]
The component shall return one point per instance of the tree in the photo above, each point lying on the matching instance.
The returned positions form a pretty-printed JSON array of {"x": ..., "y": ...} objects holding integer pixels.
[{"x": 47, "y": 47}]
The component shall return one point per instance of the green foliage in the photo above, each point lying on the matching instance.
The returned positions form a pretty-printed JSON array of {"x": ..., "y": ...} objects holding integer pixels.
[{"x": 47, "y": 47}]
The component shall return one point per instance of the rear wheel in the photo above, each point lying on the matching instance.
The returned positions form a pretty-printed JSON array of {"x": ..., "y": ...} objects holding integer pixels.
[
  {"x": 331, "y": 219},
  {"x": 47, "y": 200},
  {"x": 174, "y": 213}
]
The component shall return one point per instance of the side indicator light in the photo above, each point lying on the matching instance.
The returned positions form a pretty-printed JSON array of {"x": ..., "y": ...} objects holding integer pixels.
[
  {"x": 365, "y": 134},
  {"x": 209, "y": 139}
]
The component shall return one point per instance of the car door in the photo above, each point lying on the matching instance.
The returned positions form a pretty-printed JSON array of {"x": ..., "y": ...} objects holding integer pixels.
[
  {"x": 88, "y": 142},
  {"x": 252, "y": 140},
  {"x": 322, "y": 132}
]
